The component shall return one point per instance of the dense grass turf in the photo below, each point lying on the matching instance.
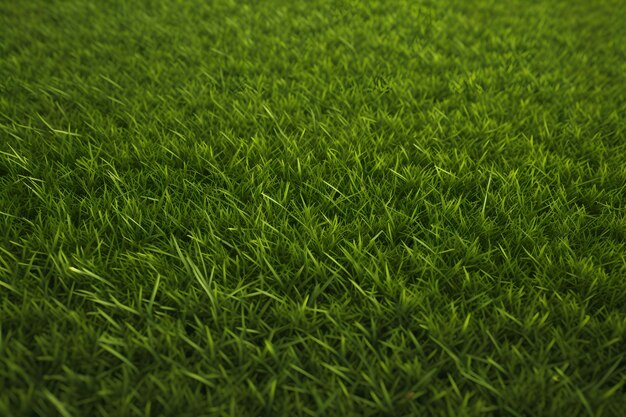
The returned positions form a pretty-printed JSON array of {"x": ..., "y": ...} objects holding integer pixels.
[{"x": 316, "y": 208}]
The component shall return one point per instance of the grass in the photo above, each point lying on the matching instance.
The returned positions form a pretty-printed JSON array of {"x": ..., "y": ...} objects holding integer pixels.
[{"x": 312, "y": 208}]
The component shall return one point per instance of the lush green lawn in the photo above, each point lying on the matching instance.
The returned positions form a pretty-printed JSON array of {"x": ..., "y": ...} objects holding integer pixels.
[{"x": 316, "y": 208}]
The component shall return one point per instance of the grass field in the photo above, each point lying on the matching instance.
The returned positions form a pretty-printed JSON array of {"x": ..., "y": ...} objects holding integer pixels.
[{"x": 312, "y": 208}]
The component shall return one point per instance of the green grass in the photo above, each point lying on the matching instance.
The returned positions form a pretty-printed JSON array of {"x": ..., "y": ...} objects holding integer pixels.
[{"x": 313, "y": 208}]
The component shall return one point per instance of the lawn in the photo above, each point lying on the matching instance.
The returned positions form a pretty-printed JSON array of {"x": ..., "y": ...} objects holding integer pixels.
[{"x": 312, "y": 208}]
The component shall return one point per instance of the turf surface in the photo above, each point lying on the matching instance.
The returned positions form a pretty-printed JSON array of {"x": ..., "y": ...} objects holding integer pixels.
[{"x": 312, "y": 208}]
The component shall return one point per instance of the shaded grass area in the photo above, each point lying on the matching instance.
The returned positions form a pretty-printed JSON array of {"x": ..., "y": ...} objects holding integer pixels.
[{"x": 312, "y": 208}]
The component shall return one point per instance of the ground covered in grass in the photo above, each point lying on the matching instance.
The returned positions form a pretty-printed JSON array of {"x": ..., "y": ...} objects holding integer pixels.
[{"x": 312, "y": 208}]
